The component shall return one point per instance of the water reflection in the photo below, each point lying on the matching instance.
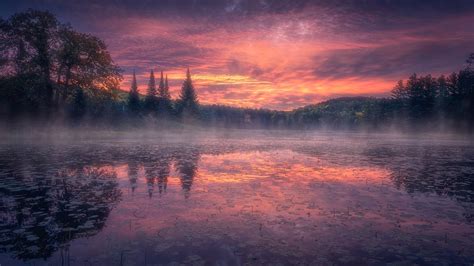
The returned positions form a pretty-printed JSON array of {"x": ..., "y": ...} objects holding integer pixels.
[
  {"x": 163, "y": 173},
  {"x": 443, "y": 171},
  {"x": 133, "y": 174},
  {"x": 157, "y": 170},
  {"x": 42, "y": 208},
  {"x": 186, "y": 164},
  {"x": 236, "y": 203}
]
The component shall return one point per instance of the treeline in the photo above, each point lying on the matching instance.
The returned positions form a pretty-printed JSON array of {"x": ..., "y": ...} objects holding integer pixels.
[
  {"x": 429, "y": 100},
  {"x": 158, "y": 106},
  {"x": 50, "y": 73},
  {"x": 419, "y": 103}
]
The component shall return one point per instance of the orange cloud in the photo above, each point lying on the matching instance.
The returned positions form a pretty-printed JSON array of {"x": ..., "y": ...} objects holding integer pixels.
[{"x": 278, "y": 61}]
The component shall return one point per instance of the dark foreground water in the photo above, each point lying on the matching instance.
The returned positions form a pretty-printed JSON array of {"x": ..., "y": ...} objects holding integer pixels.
[{"x": 312, "y": 199}]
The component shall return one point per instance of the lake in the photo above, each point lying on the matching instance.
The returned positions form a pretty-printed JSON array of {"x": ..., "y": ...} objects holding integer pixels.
[{"x": 232, "y": 199}]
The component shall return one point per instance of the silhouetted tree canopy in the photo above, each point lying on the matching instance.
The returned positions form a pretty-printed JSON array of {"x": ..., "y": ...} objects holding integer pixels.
[
  {"x": 165, "y": 105},
  {"x": 83, "y": 61},
  {"x": 36, "y": 45},
  {"x": 151, "y": 99},
  {"x": 134, "y": 97},
  {"x": 79, "y": 105},
  {"x": 51, "y": 71},
  {"x": 188, "y": 101},
  {"x": 43, "y": 63}
]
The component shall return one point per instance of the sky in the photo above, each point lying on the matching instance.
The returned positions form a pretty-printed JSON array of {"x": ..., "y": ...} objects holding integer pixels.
[{"x": 274, "y": 54}]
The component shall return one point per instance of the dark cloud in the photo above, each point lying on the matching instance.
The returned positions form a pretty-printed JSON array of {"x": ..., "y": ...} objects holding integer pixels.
[
  {"x": 393, "y": 61},
  {"x": 277, "y": 53},
  {"x": 159, "y": 52},
  {"x": 228, "y": 8},
  {"x": 257, "y": 72},
  {"x": 338, "y": 15},
  {"x": 235, "y": 66}
]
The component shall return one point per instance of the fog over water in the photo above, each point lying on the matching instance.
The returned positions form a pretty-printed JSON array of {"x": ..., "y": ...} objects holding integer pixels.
[
  {"x": 235, "y": 197},
  {"x": 131, "y": 134}
]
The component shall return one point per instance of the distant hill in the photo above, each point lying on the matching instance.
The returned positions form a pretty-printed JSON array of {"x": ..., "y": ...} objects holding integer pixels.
[
  {"x": 337, "y": 103},
  {"x": 344, "y": 112}
]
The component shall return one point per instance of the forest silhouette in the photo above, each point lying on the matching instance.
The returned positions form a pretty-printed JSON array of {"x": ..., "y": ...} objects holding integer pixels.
[{"x": 52, "y": 74}]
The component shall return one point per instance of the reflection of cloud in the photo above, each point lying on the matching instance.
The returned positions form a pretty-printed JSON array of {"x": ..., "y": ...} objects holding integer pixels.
[
  {"x": 278, "y": 54},
  {"x": 251, "y": 166}
]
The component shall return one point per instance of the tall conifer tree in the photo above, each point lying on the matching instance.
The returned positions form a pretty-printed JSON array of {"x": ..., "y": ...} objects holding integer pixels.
[
  {"x": 164, "y": 88},
  {"x": 151, "y": 99},
  {"x": 161, "y": 87},
  {"x": 151, "y": 84},
  {"x": 165, "y": 97},
  {"x": 188, "y": 100},
  {"x": 134, "y": 97},
  {"x": 167, "y": 88}
]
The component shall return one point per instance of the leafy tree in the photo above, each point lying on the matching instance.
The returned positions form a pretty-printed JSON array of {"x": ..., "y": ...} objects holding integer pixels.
[
  {"x": 83, "y": 61},
  {"x": 29, "y": 41},
  {"x": 399, "y": 92},
  {"x": 442, "y": 97},
  {"x": 79, "y": 104},
  {"x": 36, "y": 46},
  {"x": 464, "y": 98},
  {"x": 421, "y": 93},
  {"x": 20, "y": 96},
  {"x": 470, "y": 61},
  {"x": 47, "y": 66}
]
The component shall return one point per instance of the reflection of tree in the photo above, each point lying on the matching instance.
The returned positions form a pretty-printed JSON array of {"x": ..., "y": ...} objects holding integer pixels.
[
  {"x": 50, "y": 196},
  {"x": 431, "y": 170},
  {"x": 150, "y": 175},
  {"x": 157, "y": 171},
  {"x": 157, "y": 167},
  {"x": 163, "y": 171},
  {"x": 41, "y": 211},
  {"x": 458, "y": 185},
  {"x": 133, "y": 174},
  {"x": 157, "y": 164},
  {"x": 187, "y": 166}
]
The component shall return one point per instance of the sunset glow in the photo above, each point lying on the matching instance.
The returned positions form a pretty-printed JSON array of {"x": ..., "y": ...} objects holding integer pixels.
[
  {"x": 236, "y": 132},
  {"x": 278, "y": 55}
]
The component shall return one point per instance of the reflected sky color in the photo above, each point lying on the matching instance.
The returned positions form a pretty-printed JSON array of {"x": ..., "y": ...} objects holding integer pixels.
[
  {"x": 248, "y": 200},
  {"x": 275, "y": 54}
]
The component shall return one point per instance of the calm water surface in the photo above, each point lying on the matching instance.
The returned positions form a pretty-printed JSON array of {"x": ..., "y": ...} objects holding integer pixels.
[{"x": 319, "y": 200}]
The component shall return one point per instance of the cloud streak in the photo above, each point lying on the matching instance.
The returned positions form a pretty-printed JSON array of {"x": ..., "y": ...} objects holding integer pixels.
[{"x": 275, "y": 54}]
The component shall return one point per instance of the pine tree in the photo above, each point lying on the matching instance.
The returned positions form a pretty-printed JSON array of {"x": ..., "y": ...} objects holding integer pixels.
[
  {"x": 134, "y": 97},
  {"x": 188, "y": 101},
  {"x": 167, "y": 88},
  {"x": 161, "y": 87},
  {"x": 165, "y": 106},
  {"x": 164, "y": 88},
  {"x": 151, "y": 99},
  {"x": 151, "y": 84}
]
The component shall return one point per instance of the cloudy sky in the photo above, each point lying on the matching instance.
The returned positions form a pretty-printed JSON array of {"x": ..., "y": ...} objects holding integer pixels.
[{"x": 275, "y": 54}]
